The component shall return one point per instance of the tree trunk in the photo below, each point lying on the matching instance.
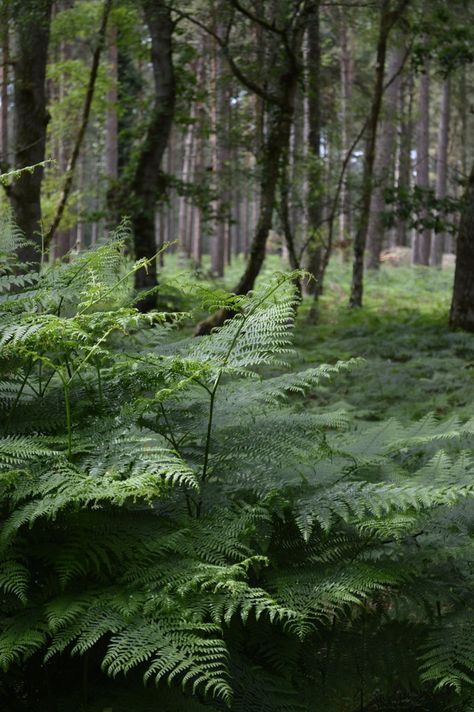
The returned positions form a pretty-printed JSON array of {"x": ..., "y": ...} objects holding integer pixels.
[
  {"x": 404, "y": 168},
  {"x": 4, "y": 75},
  {"x": 32, "y": 22},
  {"x": 388, "y": 18},
  {"x": 464, "y": 108},
  {"x": 285, "y": 220},
  {"x": 315, "y": 213},
  {"x": 218, "y": 141},
  {"x": 184, "y": 212},
  {"x": 422, "y": 242},
  {"x": 276, "y": 142},
  {"x": 383, "y": 167},
  {"x": 347, "y": 79},
  {"x": 437, "y": 249},
  {"x": 148, "y": 183},
  {"x": 111, "y": 128},
  {"x": 462, "y": 305}
]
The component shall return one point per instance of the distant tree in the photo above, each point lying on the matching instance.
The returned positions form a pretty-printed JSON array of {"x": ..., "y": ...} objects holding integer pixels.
[
  {"x": 384, "y": 159},
  {"x": 346, "y": 62},
  {"x": 439, "y": 238},
  {"x": 4, "y": 77},
  {"x": 389, "y": 15},
  {"x": 314, "y": 196},
  {"x": 462, "y": 305},
  {"x": 422, "y": 243}
]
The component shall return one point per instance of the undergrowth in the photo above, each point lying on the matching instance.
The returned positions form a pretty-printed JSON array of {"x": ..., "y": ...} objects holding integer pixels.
[{"x": 215, "y": 520}]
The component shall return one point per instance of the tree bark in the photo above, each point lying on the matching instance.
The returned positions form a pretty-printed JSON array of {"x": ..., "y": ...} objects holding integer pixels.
[
  {"x": 422, "y": 242},
  {"x": 315, "y": 212},
  {"x": 184, "y": 212},
  {"x": 383, "y": 166},
  {"x": 438, "y": 244},
  {"x": 111, "y": 128},
  {"x": 347, "y": 79},
  {"x": 217, "y": 239},
  {"x": 288, "y": 230},
  {"x": 462, "y": 305},
  {"x": 4, "y": 75},
  {"x": 148, "y": 183},
  {"x": 404, "y": 167},
  {"x": 388, "y": 18},
  {"x": 32, "y": 22}
]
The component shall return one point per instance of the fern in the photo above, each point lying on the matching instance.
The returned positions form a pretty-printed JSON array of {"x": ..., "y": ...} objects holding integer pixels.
[{"x": 180, "y": 508}]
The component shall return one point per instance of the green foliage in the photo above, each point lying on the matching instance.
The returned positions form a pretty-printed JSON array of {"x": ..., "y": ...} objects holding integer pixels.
[{"x": 180, "y": 510}]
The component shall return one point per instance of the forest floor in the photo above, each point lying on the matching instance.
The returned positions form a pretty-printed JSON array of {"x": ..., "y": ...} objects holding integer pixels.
[{"x": 413, "y": 364}]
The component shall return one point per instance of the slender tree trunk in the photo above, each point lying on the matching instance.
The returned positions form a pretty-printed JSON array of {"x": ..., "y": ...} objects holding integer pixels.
[
  {"x": 297, "y": 175},
  {"x": 462, "y": 305},
  {"x": 464, "y": 114},
  {"x": 218, "y": 140},
  {"x": 198, "y": 172},
  {"x": 4, "y": 76},
  {"x": 315, "y": 213},
  {"x": 149, "y": 182},
  {"x": 285, "y": 219},
  {"x": 32, "y": 22},
  {"x": 404, "y": 168},
  {"x": 388, "y": 18},
  {"x": 422, "y": 242},
  {"x": 184, "y": 207},
  {"x": 383, "y": 166},
  {"x": 111, "y": 128},
  {"x": 437, "y": 248},
  {"x": 347, "y": 80}
]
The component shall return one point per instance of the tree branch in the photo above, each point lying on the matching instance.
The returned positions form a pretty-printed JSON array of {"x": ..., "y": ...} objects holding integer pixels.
[
  {"x": 82, "y": 129},
  {"x": 224, "y": 45},
  {"x": 271, "y": 27}
]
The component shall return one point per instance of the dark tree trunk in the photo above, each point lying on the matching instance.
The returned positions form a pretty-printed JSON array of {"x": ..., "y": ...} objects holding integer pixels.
[
  {"x": 404, "y": 152},
  {"x": 346, "y": 61},
  {"x": 111, "y": 126},
  {"x": 315, "y": 213},
  {"x": 388, "y": 18},
  {"x": 149, "y": 183},
  {"x": 286, "y": 222},
  {"x": 32, "y": 22},
  {"x": 5, "y": 46},
  {"x": 422, "y": 242},
  {"x": 462, "y": 305},
  {"x": 275, "y": 146},
  {"x": 439, "y": 238}
]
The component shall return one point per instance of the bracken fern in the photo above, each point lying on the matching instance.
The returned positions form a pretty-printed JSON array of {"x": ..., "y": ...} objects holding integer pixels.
[{"x": 170, "y": 507}]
